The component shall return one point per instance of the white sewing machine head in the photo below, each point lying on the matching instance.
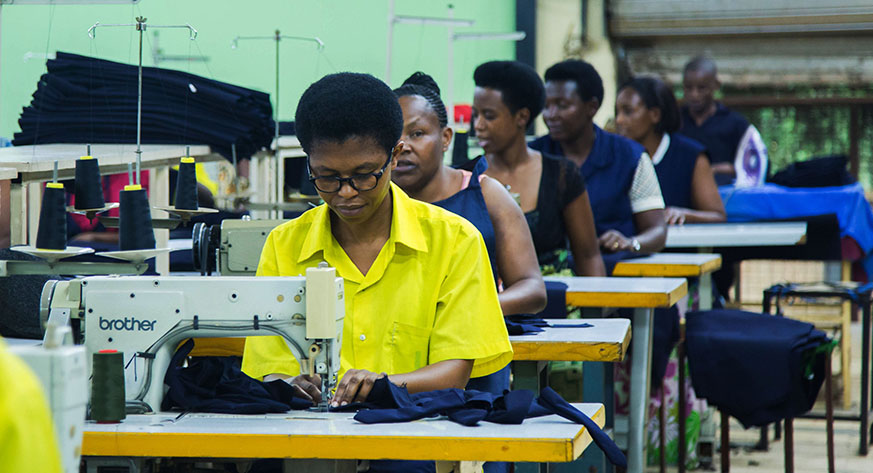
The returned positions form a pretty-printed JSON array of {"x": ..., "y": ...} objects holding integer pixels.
[{"x": 147, "y": 317}]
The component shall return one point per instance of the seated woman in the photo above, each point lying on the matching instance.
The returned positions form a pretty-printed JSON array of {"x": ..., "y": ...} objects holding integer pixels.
[
  {"x": 551, "y": 192},
  {"x": 481, "y": 200},
  {"x": 646, "y": 112},
  {"x": 625, "y": 196},
  {"x": 421, "y": 304}
]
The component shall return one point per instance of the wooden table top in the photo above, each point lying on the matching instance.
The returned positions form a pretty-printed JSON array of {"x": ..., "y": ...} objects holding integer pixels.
[
  {"x": 303, "y": 434},
  {"x": 711, "y": 235},
  {"x": 623, "y": 292},
  {"x": 607, "y": 340},
  {"x": 8, "y": 173},
  {"x": 669, "y": 265}
]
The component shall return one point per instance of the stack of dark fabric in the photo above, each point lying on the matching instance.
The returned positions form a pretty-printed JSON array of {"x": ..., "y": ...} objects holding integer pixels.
[{"x": 86, "y": 100}]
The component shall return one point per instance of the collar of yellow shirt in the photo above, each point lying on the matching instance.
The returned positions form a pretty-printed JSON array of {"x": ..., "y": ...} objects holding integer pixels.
[{"x": 405, "y": 230}]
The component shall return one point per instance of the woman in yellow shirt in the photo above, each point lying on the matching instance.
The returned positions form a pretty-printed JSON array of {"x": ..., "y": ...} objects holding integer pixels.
[{"x": 421, "y": 306}]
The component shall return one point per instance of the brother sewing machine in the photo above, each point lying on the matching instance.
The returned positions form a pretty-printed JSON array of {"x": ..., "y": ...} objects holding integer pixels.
[{"x": 147, "y": 318}]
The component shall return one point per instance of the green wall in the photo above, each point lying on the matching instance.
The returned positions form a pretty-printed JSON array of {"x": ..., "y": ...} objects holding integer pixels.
[{"x": 354, "y": 33}]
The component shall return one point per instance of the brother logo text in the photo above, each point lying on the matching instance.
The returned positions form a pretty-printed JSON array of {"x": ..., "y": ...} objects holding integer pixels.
[{"x": 127, "y": 323}]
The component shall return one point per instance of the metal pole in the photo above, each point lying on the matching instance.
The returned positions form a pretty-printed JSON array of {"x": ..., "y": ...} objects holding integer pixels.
[
  {"x": 277, "y": 190},
  {"x": 140, "y": 26},
  {"x": 390, "y": 42},
  {"x": 450, "y": 63}
]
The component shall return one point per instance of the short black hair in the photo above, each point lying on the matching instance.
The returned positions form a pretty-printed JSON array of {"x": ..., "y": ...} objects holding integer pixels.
[
  {"x": 348, "y": 105},
  {"x": 701, "y": 64},
  {"x": 518, "y": 83},
  {"x": 589, "y": 85},
  {"x": 423, "y": 85},
  {"x": 656, "y": 94}
]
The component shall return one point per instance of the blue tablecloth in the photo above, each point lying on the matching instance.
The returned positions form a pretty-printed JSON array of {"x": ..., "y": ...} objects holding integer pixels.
[{"x": 771, "y": 202}]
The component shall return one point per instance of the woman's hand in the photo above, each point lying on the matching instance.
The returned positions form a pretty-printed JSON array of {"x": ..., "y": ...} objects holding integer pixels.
[
  {"x": 354, "y": 387},
  {"x": 675, "y": 215},
  {"x": 613, "y": 241},
  {"x": 305, "y": 386}
]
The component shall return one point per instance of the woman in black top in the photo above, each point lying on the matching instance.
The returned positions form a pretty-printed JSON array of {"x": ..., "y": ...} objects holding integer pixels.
[{"x": 550, "y": 190}]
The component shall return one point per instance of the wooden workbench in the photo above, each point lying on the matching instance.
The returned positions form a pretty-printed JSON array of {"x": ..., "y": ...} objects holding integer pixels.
[
  {"x": 714, "y": 235},
  {"x": 321, "y": 435},
  {"x": 672, "y": 265},
  {"x": 643, "y": 295}
]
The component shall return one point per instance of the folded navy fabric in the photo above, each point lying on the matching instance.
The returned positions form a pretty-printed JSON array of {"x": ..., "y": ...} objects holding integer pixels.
[
  {"x": 87, "y": 100},
  {"x": 527, "y": 324},
  {"x": 755, "y": 367},
  {"x": 389, "y": 403},
  {"x": 216, "y": 384}
]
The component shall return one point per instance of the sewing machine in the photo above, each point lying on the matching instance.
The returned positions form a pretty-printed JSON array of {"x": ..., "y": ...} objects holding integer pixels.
[
  {"x": 232, "y": 248},
  {"x": 147, "y": 318}
]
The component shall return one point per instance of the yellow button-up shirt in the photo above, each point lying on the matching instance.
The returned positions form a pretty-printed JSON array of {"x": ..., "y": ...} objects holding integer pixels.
[
  {"x": 27, "y": 434},
  {"x": 428, "y": 297}
]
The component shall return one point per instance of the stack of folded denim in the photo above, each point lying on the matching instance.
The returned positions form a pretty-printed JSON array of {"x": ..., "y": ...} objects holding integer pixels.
[{"x": 87, "y": 100}]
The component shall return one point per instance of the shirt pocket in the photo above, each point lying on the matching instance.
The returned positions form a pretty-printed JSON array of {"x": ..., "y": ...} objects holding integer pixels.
[{"x": 408, "y": 347}]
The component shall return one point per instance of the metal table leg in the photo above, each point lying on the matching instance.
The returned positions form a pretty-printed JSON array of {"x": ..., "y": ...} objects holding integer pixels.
[
  {"x": 639, "y": 395},
  {"x": 865, "y": 377}
]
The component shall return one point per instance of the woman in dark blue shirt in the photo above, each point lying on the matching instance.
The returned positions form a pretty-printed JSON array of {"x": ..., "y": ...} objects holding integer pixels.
[{"x": 646, "y": 112}]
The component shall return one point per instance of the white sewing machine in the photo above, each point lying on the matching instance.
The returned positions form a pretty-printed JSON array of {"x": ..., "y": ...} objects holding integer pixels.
[{"x": 147, "y": 318}]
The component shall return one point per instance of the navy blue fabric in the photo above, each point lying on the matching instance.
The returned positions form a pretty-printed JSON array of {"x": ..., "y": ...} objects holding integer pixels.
[
  {"x": 388, "y": 403},
  {"x": 551, "y": 401},
  {"x": 720, "y": 134},
  {"x": 494, "y": 383},
  {"x": 216, "y": 384},
  {"x": 608, "y": 171},
  {"x": 87, "y": 100},
  {"x": 527, "y": 324},
  {"x": 676, "y": 170},
  {"x": 556, "y": 301},
  {"x": 470, "y": 204},
  {"x": 752, "y": 366}
]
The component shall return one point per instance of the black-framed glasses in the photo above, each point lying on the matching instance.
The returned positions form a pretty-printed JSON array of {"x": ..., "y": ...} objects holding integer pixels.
[{"x": 359, "y": 182}]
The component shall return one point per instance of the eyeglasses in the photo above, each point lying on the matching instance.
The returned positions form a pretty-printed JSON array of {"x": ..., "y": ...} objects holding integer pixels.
[{"x": 359, "y": 182}]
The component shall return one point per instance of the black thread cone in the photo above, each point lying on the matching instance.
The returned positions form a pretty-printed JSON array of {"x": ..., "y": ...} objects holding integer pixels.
[
  {"x": 52, "y": 233},
  {"x": 135, "y": 226},
  {"x": 107, "y": 386},
  {"x": 461, "y": 150},
  {"x": 89, "y": 188},
  {"x": 186, "y": 186}
]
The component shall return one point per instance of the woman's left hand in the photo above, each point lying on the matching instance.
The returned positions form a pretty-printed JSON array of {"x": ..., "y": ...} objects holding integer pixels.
[
  {"x": 613, "y": 241},
  {"x": 354, "y": 387},
  {"x": 674, "y": 215}
]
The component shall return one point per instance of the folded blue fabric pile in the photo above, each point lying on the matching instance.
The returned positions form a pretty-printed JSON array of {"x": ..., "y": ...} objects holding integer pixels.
[
  {"x": 87, "y": 100},
  {"x": 757, "y": 368},
  {"x": 388, "y": 403}
]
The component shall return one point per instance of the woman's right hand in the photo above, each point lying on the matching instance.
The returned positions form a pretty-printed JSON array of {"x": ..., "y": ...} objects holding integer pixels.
[{"x": 305, "y": 386}]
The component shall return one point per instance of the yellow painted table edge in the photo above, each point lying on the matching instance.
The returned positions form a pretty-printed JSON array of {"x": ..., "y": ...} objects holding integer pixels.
[
  {"x": 631, "y": 269},
  {"x": 569, "y": 351},
  {"x": 234, "y": 445},
  {"x": 630, "y": 300}
]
